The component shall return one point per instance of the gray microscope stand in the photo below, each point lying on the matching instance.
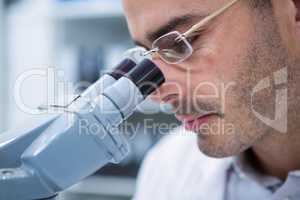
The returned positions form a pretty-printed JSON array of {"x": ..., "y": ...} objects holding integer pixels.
[{"x": 13, "y": 143}]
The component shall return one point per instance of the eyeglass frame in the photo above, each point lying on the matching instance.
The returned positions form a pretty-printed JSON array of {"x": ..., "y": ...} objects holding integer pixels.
[{"x": 191, "y": 32}]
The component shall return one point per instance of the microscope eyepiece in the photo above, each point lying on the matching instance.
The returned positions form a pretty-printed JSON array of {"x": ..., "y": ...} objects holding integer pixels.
[
  {"x": 122, "y": 68},
  {"x": 90, "y": 122},
  {"x": 147, "y": 77}
]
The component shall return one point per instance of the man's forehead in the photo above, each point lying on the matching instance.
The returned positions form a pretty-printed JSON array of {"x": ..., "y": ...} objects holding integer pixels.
[
  {"x": 145, "y": 17},
  {"x": 153, "y": 12},
  {"x": 137, "y": 6}
]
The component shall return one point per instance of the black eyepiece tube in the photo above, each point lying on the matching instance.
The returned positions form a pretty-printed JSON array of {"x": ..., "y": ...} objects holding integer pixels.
[
  {"x": 147, "y": 77},
  {"x": 122, "y": 68}
]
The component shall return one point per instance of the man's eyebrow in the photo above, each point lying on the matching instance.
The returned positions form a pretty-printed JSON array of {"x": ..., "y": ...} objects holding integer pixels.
[
  {"x": 173, "y": 24},
  {"x": 169, "y": 26}
]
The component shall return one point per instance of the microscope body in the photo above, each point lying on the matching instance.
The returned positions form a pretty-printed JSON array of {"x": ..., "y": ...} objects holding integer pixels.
[{"x": 58, "y": 151}]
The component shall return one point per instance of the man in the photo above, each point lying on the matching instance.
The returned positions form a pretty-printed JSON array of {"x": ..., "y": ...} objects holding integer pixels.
[{"x": 232, "y": 72}]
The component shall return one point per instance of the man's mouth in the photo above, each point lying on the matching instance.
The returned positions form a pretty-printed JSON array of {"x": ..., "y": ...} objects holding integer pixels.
[{"x": 194, "y": 123}]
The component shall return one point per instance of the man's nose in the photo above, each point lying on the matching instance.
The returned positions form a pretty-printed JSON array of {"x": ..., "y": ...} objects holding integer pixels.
[{"x": 171, "y": 90}]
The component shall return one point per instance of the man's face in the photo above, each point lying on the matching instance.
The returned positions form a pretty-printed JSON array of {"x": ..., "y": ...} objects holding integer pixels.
[{"x": 211, "y": 91}]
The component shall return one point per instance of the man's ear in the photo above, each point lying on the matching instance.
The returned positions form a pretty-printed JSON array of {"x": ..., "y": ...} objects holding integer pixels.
[
  {"x": 297, "y": 7},
  {"x": 293, "y": 13},
  {"x": 296, "y": 4},
  {"x": 287, "y": 14},
  {"x": 290, "y": 9}
]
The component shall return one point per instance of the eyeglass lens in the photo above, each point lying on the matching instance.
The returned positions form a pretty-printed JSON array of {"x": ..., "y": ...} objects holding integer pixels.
[{"x": 173, "y": 47}]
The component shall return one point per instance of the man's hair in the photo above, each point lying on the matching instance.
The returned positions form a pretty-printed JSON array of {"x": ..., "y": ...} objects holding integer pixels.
[{"x": 261, "y": 4}]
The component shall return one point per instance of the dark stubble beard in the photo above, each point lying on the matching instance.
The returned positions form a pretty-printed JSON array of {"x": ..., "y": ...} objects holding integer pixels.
[{"x": 265, "y": 55}]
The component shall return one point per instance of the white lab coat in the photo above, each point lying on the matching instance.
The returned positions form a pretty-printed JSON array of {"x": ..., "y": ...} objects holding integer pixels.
[{"x": 176, "y": 170}]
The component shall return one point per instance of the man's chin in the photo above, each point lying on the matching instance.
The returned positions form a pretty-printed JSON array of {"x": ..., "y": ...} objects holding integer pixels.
[{"x": 217, "y": 147}]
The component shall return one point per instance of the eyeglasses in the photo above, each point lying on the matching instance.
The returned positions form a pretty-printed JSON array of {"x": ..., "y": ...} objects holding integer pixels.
[{"x": 174, "y": 47}]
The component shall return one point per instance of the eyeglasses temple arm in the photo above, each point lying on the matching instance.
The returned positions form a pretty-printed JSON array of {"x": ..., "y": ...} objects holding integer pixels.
[{"x": 208, "y": 18}]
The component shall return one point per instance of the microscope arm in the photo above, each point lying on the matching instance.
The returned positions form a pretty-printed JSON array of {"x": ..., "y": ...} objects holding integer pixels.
[
  {"x": 79, "y": 142},
  {"x": 14, "y": 142}
]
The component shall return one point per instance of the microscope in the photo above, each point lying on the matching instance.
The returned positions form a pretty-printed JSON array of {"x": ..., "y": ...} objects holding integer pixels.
[{"x": 56, "y": 151}]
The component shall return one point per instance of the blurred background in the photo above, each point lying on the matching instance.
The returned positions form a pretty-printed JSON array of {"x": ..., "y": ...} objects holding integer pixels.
[{"x": 80, "y": 38}]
